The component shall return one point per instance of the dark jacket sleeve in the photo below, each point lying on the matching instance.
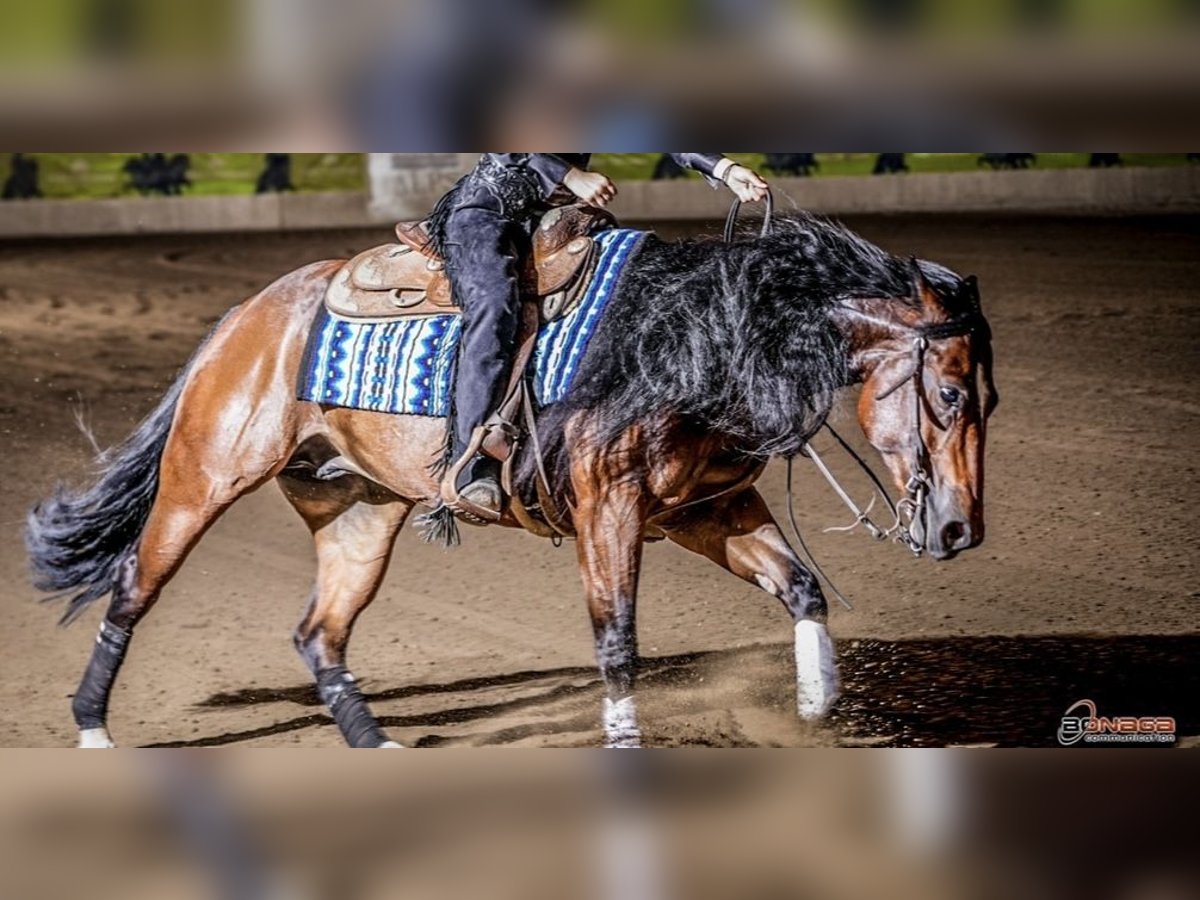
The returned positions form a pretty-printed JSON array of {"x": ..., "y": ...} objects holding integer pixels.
[
  {"x": 550, "y": 168},
  {"x": 704, "y": 163}
]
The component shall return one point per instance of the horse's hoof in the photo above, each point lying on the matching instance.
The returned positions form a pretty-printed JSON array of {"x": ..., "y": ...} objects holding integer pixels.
[
  {"x": 816, "y": 671},
  {"x": 390, "y": 745},
  {"x": 95, "y": 739}
]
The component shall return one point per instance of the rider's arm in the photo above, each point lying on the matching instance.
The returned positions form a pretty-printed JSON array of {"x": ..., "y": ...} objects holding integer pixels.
[
  {"x": 718, "y": 169},
  {"x": 712, "y": 166},
  {"x": 551, "y": 169}
]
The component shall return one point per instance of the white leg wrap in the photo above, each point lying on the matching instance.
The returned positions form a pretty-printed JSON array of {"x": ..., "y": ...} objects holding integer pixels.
[
  {"x": 620, "y": 724},
  {"x": 390, "y": 745},
  {"x": 816, "y": 670},
  {"x": 95, "y": 739}
]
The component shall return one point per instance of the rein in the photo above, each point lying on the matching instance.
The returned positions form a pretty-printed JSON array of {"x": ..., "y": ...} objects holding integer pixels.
[
  {"x": 731, "y": 219},
  {"x": 730, "y": 228}
]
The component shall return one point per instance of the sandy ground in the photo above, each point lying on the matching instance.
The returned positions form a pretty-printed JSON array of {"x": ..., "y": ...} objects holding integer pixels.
[{"x": 1085, "y": 587}]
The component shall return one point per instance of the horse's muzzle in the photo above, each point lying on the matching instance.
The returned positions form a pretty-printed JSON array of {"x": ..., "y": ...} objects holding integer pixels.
[{"x": 950, "y": 533}]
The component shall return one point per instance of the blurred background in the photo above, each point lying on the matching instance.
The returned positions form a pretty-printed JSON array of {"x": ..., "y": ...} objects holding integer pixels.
[
  {"x": 423, "y": 75},
  {"x": 911, "y": 825},
  {"x": 126, "y": 193}
]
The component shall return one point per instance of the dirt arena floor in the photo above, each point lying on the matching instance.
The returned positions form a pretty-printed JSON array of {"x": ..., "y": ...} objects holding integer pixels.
[{"x": 1085, "y": 587}]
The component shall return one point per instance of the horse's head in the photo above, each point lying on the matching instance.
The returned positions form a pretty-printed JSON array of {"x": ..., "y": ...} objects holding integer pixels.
[{"x": 927, "y": 394}]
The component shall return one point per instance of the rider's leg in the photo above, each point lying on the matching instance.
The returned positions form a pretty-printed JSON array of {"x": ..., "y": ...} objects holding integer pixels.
[{"x": 481, "y": 246}]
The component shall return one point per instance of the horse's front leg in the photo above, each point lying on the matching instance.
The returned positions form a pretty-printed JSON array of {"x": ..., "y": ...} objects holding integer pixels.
[
  {"x": 740, "y": 534},
  {"x": 609, "y": 520}
]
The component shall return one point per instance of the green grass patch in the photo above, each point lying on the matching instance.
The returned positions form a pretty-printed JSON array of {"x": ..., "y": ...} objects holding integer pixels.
[
  {"x": 99, "y": 175},
  {"x": 641, "y": 165}
]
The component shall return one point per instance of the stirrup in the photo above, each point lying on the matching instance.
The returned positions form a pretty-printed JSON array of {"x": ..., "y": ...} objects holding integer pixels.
[{"x": 469, "y": 512}]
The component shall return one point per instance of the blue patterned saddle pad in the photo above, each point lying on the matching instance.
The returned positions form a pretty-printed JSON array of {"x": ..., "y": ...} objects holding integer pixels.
[{"x": 406, "y": 366}]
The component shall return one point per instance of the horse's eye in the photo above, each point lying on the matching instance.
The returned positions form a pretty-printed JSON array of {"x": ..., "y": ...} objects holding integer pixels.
[{"x": 950, "y": 396}]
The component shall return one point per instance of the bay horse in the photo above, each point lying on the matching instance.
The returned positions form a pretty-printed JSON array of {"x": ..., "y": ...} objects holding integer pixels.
[{"x": 710, "y": 358}]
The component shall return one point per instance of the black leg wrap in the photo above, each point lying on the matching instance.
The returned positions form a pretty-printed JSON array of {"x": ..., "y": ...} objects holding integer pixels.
[
  {"x": 340, "y": 693},
  {"x": 90, "y": 704}
]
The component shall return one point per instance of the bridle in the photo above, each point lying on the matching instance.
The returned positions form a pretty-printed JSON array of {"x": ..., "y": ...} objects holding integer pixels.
[{"x": 912, "y": 507}]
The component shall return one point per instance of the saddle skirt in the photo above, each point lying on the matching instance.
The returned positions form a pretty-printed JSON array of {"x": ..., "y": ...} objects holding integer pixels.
[{"x": 408, "y": 278}]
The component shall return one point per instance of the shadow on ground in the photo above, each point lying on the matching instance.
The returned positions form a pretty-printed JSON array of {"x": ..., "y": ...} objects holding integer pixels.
[{"x": 1007, "y": 691}]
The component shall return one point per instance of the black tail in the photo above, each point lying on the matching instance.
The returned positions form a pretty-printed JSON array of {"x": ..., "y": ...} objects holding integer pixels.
[{"x": 77, "y": 539}]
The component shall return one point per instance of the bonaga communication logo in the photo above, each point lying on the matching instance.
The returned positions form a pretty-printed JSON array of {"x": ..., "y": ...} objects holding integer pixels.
[{"x": 1081, "y": 723}]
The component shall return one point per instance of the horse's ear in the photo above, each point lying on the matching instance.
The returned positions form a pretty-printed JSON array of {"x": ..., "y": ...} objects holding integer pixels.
[
  {"x": 920, "y": 291},
  {"x": 970, "y": 292},
  {"x": 989, "y": 396}
]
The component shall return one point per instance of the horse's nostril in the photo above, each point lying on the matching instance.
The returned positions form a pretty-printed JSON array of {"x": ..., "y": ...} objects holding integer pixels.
[{"x": 956, "y": 536}]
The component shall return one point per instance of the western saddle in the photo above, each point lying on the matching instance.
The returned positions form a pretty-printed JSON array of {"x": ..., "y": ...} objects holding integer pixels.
[{"x": 409, "y": 278}]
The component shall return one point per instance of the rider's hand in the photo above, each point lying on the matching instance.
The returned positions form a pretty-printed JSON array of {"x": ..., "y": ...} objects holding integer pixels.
[
  {"x": 746, "y": 184},
  {"x": 590, "y": 187}
]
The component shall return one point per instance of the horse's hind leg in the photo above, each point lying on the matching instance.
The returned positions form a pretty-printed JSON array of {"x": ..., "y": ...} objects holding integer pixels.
[
  {"x": 188, "y": 502},
  {"x": 354, "y": 524},
  {"x": 205, "y": 466},
  {"x": 168, "y": 536},
  {"x": 740, "y": 534}
]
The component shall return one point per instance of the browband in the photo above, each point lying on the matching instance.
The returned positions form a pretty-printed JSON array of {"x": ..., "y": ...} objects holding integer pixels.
[{"x": 969, "y": 321}]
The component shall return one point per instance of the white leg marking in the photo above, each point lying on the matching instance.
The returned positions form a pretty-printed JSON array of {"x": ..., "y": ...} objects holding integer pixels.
[
  {"x": 95, "y": 739},
  {"x": 816, "y": 670},
  {"x": 390, "y": 745},
  {"x": 621, "y": 730}
]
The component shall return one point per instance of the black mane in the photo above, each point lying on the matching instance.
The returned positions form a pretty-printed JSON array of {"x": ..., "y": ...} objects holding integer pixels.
[{"x": 736, "y": 338}]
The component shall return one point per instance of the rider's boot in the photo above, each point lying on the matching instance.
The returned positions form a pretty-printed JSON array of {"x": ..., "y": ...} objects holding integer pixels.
[{"x": 477, "y": 485}]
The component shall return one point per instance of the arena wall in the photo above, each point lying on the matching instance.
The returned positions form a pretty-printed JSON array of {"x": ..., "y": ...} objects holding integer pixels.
[{"x": 408, "y": 194}]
